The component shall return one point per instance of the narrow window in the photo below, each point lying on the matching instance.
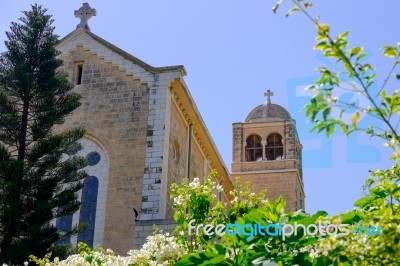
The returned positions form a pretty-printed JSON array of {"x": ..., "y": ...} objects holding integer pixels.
[
  {"x": 274, "y": 147},
  {"x": 79, "y": 70},
  {"x": 253, "y": 148},
  {"x": 88, "y": 209}
]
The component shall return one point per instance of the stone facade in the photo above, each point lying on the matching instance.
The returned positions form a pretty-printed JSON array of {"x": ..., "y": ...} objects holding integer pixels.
[
  {"x": 147, "y": 126},
  {"x": 143, "y": 229}
]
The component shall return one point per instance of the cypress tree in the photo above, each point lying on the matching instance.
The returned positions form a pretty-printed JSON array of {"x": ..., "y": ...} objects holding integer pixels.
[{"x": 38, "y": 180}]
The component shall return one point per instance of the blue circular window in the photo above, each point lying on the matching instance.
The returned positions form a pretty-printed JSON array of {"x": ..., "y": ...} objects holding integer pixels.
[{"x": 93, "y": 158}]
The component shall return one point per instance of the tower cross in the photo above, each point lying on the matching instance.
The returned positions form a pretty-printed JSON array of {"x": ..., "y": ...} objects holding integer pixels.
[
  {"x": 84, "y": 13},
  {"x": 268, "y": 95}
]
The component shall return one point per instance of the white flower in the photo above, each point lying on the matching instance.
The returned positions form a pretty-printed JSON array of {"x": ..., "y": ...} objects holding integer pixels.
[
  {"x": 219, "y": 188},
  {"x": 195, "y": 183},
  {"x": 264, "y": 201},
  {"x": 109, "y": 251},
  {"x": 236, "y": 199},
  {"x": 179, "y": 200}
]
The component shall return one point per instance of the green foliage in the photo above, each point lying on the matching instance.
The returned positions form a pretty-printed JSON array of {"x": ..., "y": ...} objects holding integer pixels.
[
  {"x": 244, "y": 208},
  {"x": 355, "y": 75},
  {"x": 35, "y": 96},
  {"x": 380, "y": 206},
  {"x": 196, "y": 201}
]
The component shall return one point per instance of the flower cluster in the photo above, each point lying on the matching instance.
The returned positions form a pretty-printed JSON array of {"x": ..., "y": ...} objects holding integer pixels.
[{"x": 159, "y": 250}]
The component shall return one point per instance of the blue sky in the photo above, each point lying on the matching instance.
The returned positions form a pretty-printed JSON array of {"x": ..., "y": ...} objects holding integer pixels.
[{"x": 233, "y": 50}]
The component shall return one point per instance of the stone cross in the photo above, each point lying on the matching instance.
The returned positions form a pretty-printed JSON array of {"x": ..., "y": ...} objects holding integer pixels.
[
  {"x": 268, "y": 94},
  {"x": 84, "y": 13}
]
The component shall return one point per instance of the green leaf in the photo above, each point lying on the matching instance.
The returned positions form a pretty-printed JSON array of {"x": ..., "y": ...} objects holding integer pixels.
[
  {"x": 364, "y": 201},
  {"x": 322, "y": 46},
  {"x": 323, "y": 30},
  {"x": 202, "y": 258},
  {"x": 361, "y": 56},
  {"x": 370, "y": 79},
  {"x": 279, "y": 204},
  {"x": 389, "y": 51},
  {"x": 221, "y": 249},
  {"x": 366, "y": 67},
  {"x": 351, "y": 217},
  {"x": 319, "y": 214},
  {"x": 354, "y": 120},
  {"x": 291, "y": 11},
  {"x": 355, "y": 51},
  {"x": 377, "y": 191},
  {"x": 326, "y": 112},
  {"x": 345, "y": 129},
  {"x": 330, "y": 129},
  {"x": 343, "y": 35}
]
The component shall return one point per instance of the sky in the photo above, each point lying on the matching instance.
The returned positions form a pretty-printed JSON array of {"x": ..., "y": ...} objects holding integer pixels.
[{"x": 233, "y": 51}]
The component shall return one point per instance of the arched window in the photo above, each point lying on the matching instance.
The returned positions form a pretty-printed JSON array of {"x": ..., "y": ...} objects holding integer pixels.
[
  {"x": 274, "y": 147},
  {"x": 93, "y": 196},
  {"x": 253, "y": 148},
  {"x": 88, "y": 209}
]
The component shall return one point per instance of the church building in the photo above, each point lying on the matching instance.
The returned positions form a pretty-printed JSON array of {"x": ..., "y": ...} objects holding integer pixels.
[{"x": 144, "y": 132}]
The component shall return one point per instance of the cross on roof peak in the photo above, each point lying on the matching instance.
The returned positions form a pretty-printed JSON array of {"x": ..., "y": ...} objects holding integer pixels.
[
  {"x": 268, "y": 95},
  {"x": 84, "y": 13}
]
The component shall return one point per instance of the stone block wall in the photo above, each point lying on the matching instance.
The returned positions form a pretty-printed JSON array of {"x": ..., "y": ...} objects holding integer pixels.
[
  {"x": 153, "y": 171},
  {"x": 177, "y": 158},
  {"x": 143, "y": 229},
  {"x": 289, "y": 139},
  {"x": 277, "y": 184},
  {"x": 197, "y": 162},
  {"x": 114, "y": 110},
  {"x": 237, "y": 142}
]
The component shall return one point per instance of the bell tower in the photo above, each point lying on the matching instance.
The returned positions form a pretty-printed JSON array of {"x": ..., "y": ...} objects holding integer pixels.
[{"x": 267, "y": 151}]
